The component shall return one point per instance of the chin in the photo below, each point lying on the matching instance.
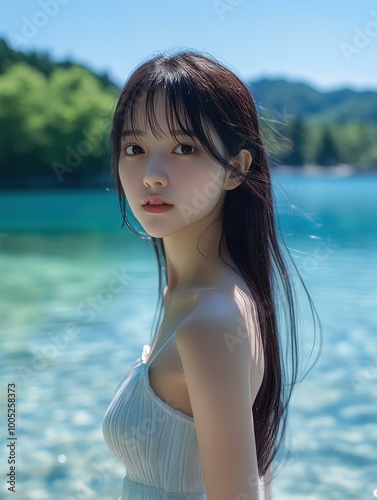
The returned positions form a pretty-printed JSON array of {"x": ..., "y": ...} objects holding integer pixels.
[
  {"x": 156, "y": 232},
  {"x": 161, "y": 232}
]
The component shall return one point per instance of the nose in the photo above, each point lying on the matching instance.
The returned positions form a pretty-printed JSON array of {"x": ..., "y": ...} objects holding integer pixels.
[{"x": 154, "y": 174}]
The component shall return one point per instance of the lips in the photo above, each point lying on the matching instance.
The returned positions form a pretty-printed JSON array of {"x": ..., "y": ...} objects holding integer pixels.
[
  {"x": 155, "y": 201},
  {"x": 157, "y": 209}
]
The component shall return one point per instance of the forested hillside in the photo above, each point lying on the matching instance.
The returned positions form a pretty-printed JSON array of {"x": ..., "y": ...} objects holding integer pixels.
[
  {"x": 338, "y": 106},
  {"x": 55, "y": 118}
]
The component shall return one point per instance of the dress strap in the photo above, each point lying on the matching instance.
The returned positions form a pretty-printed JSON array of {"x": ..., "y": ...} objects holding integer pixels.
[{"x": 160, "y": 349}]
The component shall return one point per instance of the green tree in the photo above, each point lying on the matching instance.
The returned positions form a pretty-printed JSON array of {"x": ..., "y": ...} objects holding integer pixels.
[
  {"x": 327, "y": 152},
  {"x": 357, "y": 143},
  {"x": 53, "y": 126},
  {"x": 78, "y": 113},
  {"x": 296, "y": 136},
  {"x": 22, "y": 92}
]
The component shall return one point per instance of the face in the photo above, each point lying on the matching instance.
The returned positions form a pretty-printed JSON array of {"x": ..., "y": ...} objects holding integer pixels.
[{"x": 182, "y": 173}]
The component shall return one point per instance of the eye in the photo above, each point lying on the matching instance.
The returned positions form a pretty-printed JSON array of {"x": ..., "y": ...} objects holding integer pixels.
[
  {"x": 186, "y": 149},
  {"x": 132, "y": 150}
]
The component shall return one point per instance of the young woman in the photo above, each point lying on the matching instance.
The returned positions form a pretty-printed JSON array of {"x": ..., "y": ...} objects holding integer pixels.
[{"x": 201, "y": 414}]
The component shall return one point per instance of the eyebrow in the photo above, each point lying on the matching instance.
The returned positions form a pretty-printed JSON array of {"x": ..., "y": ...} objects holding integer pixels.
[{"x": 133, "y": 133}]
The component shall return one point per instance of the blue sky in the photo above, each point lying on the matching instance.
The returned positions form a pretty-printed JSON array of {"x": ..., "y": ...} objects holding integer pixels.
[{"x": 318, "y": 42}]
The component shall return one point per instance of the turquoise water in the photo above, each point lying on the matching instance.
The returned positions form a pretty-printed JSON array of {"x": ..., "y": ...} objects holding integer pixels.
[{"x": 78, "y": 297}]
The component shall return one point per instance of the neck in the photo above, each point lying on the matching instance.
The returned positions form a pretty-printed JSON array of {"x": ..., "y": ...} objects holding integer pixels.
[{"x": 193, "y": 258}]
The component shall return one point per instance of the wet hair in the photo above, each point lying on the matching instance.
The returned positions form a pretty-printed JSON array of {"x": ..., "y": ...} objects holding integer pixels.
[{"x": 199, "y": 91}]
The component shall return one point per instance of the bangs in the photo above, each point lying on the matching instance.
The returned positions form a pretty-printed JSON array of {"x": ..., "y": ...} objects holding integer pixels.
[{"x": 185, "y": 112}]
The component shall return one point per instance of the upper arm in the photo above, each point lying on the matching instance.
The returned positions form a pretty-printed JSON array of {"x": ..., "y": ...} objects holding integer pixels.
[
  {"x": 267, "y": 483},
  {"x": 218, "y": 383}
]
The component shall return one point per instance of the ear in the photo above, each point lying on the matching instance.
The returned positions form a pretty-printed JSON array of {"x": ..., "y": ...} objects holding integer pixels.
[{"x": 242, "y": 162}]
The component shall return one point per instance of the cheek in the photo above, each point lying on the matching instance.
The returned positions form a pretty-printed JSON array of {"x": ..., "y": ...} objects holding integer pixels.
[
  {"x": 202, "y": 190},
  {"x": 208, "y": 180},
  {"x": 200, "y": 171},
  {"x": 128, "y": 178}
]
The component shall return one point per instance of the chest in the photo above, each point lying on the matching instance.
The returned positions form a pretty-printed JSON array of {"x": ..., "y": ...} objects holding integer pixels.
[{"x": 166, "y": 379}]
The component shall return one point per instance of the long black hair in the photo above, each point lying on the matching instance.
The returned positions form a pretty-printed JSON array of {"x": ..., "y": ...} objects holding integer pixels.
[{"x": 199, "y": 90}]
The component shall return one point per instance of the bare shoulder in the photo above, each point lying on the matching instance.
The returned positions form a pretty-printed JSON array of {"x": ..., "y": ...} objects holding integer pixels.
[
  {"x": 234, "y": 299},
  {"x": 222, "y": 325}
]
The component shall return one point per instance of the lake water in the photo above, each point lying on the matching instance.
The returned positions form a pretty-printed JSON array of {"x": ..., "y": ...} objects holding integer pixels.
[{"x": 78, "y": 298}]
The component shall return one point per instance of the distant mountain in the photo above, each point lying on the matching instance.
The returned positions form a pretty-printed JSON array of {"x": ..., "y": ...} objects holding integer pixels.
[
  {"x": 279, "y": 97},
  {"x": 340, "y": 106}
]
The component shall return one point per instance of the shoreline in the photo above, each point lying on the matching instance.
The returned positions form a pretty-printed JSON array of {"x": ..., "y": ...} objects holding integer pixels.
[
  {"x": 341, "y": 170},
  {"x": 107, "y": 182}
]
